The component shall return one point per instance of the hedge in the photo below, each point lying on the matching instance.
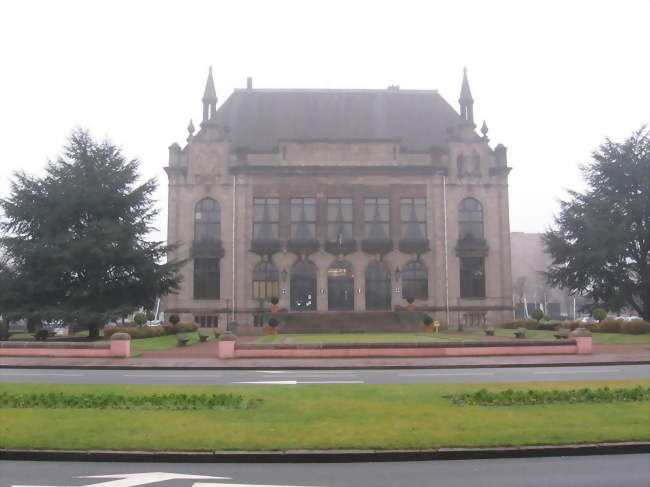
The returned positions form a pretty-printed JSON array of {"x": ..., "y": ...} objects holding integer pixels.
[{"x": 135, "y": 332}]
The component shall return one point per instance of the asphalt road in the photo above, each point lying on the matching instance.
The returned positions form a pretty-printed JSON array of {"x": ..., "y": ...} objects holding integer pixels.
[
  {"x": 306, "y": 377},
  {"x": 587, "y": 471}
]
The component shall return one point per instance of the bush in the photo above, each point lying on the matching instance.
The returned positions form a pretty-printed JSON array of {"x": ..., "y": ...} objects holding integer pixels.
[
  {"x": 169, "y": 329},
  {"x": 174, "y": 319},
  {"x": 150, "y": 316},
  {"x": 140, "y": 319},
  {"x": 636, "y": 327},
  {"x": 528, "y": 324},
  {"x": 537, "y": 314},
  {"x": 609, "y": 326},
  {"x": 410, "y": 300},
  {"x": 599, "y": 313},
  {"x": 186, "y": 327},
  {"x": 427, "y": 320},
  {"x": 273, "y": 323},
  {"x": 275, "y": 300},
  {"x": 146, "y": 332},
  {"x": 572, "y": 325}
]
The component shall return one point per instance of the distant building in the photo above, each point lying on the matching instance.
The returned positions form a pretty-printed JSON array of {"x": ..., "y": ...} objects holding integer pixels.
[
  {"x": 529, "y": 287},
  {"x": 340, "y": 203}
]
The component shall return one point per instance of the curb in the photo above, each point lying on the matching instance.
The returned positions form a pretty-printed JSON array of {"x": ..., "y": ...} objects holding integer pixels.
[
  {"x": 321, "y": 367},
  {"x": 326, "y": 456}
]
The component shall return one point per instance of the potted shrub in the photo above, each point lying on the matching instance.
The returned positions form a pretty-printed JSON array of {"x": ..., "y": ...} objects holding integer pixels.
[
  {"x": 428, "y": 324},
  {"x": 140, "y": 319},
  {"x": 273, "y": 326},
  {"x": 599, "y": 314},
  {"x": 410, "y": 306},
  {"x": 174, "y": 319},
  {"x": 274, "y": 304},
  {"x": 537, "y": 314}
]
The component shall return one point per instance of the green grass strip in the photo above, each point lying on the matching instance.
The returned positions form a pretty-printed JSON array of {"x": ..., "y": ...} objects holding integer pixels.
[
  {"x": 510, "y": 397},
  {"x": 54, "y": 400}
]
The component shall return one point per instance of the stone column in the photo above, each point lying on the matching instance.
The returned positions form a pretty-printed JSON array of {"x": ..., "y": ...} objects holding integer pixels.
[
  {"x": 226, "y": 345},
  {"x": 120, "y": 345},
  {"x": 583, "y": 340}
]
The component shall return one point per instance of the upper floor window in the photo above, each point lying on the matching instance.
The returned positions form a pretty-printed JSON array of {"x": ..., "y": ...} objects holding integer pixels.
[
  {"x": 470, "y": 220},
  {"x": 266, "y": 219},
  {"x": 303, "y": 218},
  {"x": 377, "y": 217},
  {"x": 414, "y": 218},
  {"x": 207, "y": 220},
  {"x": 340, "y": 216}
]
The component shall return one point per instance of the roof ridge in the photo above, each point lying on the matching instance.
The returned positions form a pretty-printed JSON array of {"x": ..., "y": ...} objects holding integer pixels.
[{"x": 329, "y": 90}]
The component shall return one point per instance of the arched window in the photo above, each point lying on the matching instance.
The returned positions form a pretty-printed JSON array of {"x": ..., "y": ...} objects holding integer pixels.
[
  {"x": 265, "y": 280},
  {"x": 207, "y": 221},
  {"x": 470, "y": 220},
  {"x": 415, "y": 280},
  {"x": 377, "y": 286},
  {"x": 340, "y": 286}
]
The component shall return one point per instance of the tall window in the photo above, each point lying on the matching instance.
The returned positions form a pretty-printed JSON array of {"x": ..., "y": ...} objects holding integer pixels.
[
  {"x": 414, "y": 218},
  {"x": 206, "y": 278},
  {"x": 207, "y": 218},
  {"x": 303, "y": 219},
  {"x": 265, "y": 280},
  {"x": 472, "y": 277},
  {"x": 377, "y": 218},
  {"x": 339, "y": 219},
  {"x": 470, "y": 220},
  {"x": 415, "y": 280},
  {"x": 266, "y": 219}
]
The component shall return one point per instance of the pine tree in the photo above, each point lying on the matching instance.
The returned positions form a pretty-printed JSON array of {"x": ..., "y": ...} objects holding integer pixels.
[
  {"x": 601, "y": 244},
  {"x": 76, "y": 239}
]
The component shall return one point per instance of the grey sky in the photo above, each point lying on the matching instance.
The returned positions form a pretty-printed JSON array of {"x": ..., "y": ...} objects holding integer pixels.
[{"x": 551, "y": 78}]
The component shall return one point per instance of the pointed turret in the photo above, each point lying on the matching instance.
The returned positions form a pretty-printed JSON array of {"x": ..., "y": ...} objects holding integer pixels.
[
  {"x": 209, "y": 98},
  {"x": 466, "y": 101}
]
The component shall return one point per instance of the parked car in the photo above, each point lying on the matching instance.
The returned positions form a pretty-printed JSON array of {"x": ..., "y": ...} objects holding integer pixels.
[
  {"x": 587, "y": 319},
  {"x": 154, "y": 323}
]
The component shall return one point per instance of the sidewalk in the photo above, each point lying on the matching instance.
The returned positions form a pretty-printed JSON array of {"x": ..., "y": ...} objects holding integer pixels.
[{"x": 203, "y": 356}]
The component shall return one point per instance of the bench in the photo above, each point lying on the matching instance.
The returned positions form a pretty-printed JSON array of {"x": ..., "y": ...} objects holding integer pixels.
[
  {"x": 489, "y": 332},
  {"x": 520, "y": 333},
  {"x": 216, "y": 335},
  {"x": 561, "y": 334},
  {"x": 181, "y": 340},
  {"x": 203, "y": 337},
  {"x": 43, "y": 334}
]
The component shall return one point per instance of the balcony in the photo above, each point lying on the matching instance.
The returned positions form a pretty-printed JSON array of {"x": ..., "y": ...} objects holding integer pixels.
[
  {"x": 342, "y": 247},
  {"x": 472, "y": 247},
  {"x": 411, "y": 246},
  {"x": 300, "y": 246},
  {"x": 266, "y": 246},
  {"x": 206, "y": 248},
  {"x": 377, "y": 246}
]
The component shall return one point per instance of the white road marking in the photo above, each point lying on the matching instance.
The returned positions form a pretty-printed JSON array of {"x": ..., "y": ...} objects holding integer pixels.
[
  {"x": 306, "y": 372},
  {"x": 446, "y": 374},
  {"x": 42, "y": 374},
  {"x": 294, "y": 382},
  {"x": 546, "y": 372},
  {"x": 134, "y": 479},
  {"x": 203, "y": 484},
  {"x": 174, "y": 376},
  {"x": 331, "y": 382}
]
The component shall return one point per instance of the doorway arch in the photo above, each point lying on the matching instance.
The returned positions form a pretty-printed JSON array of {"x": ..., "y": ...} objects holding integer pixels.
[
  {"x": 377, "y": 286},
  {"x": 303, "y": 286},
  {"x": 340, "y": 286}
]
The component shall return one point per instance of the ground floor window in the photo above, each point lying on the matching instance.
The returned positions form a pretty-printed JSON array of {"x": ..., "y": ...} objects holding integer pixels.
[
  {"x": 415, "y": 280},
  {"x": 472, "y": 277},
  {"x": 265, "y": 281},
  {"x": 207, "y": 321},
  {"x": 206, "y": 278},
  {"x": 377, "y": 286},
  {"x": 303, "y": 286}
]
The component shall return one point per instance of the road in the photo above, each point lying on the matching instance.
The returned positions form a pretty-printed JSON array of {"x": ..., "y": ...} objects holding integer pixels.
[
  {"x": 306, "y": 377},
  {"x": 585, "y": 471}
]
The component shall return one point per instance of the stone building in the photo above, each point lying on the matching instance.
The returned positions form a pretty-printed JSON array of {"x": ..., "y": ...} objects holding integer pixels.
[{"x": 343, "y": 204}]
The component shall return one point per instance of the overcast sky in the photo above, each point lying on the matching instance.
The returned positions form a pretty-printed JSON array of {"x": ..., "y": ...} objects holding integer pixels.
[{"x": 552, "y": 79}]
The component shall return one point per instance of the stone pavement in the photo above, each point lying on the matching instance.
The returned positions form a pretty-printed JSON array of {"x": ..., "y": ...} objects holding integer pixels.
[{"x": 203, "y": 356}]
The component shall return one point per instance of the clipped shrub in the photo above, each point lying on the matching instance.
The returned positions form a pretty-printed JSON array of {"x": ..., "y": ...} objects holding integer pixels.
[
  {"x": 572, "y": 325},
  {"x": 169, "y": 329},
  {"x": 427, "y": 320},
  {"x": 609, "y": 326},
  {"x": 140, "y": 319},
  {"x": 410, "y": 300},
  {"x": 150, "y": 316},
  {"x": 186, "y": 327},
  {"x": 599, "y": 313},
  {"x": 537, "y": 314},
  {"x": 636, "y": 327},
  {"x": 174, "y": 319},
  {"x": 275, "y": 300},
  {"x": 273, "y": 323},
  {"x": 528, "y": 324},
  {"x": 135, "y": 332}
]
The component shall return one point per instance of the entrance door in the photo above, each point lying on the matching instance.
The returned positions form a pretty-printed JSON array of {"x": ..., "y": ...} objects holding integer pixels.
[
  {"x": 377, "y": 286},
  {"x": 340, "y": 287},
  {"x": 303, "y": 286}
]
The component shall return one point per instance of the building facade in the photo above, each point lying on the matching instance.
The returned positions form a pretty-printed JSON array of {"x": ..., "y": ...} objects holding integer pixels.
[{"x": 340, "y": 203}]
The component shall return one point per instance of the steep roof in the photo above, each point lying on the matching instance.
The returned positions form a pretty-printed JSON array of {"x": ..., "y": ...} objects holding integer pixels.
[{"x": 258, "y": 119}]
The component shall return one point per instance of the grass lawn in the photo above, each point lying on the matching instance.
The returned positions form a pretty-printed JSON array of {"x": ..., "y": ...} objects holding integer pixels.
[
  {"x": 160, "y": 343},
  {"x": 598, "y": 338},
  {"x": 363, "y": 337},
  {"x": 405, "y": 416}
]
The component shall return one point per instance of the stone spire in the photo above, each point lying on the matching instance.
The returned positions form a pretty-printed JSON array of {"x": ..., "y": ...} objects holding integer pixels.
[
  {"x": 209, "y": 98},
  {"x": 466, "y": 101}
]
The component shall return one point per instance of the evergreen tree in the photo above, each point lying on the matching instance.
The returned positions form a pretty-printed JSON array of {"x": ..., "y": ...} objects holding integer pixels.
[
  {"x": 601, "y": 244},
  {"x": 75, "y": 239}
]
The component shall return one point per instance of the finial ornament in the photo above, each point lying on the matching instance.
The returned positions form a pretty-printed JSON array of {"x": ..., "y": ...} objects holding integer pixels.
[
  {"x": 484, "y": 129},
  {"x": 190, "y": 128},
  {"x": 466, "y": 101}
]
